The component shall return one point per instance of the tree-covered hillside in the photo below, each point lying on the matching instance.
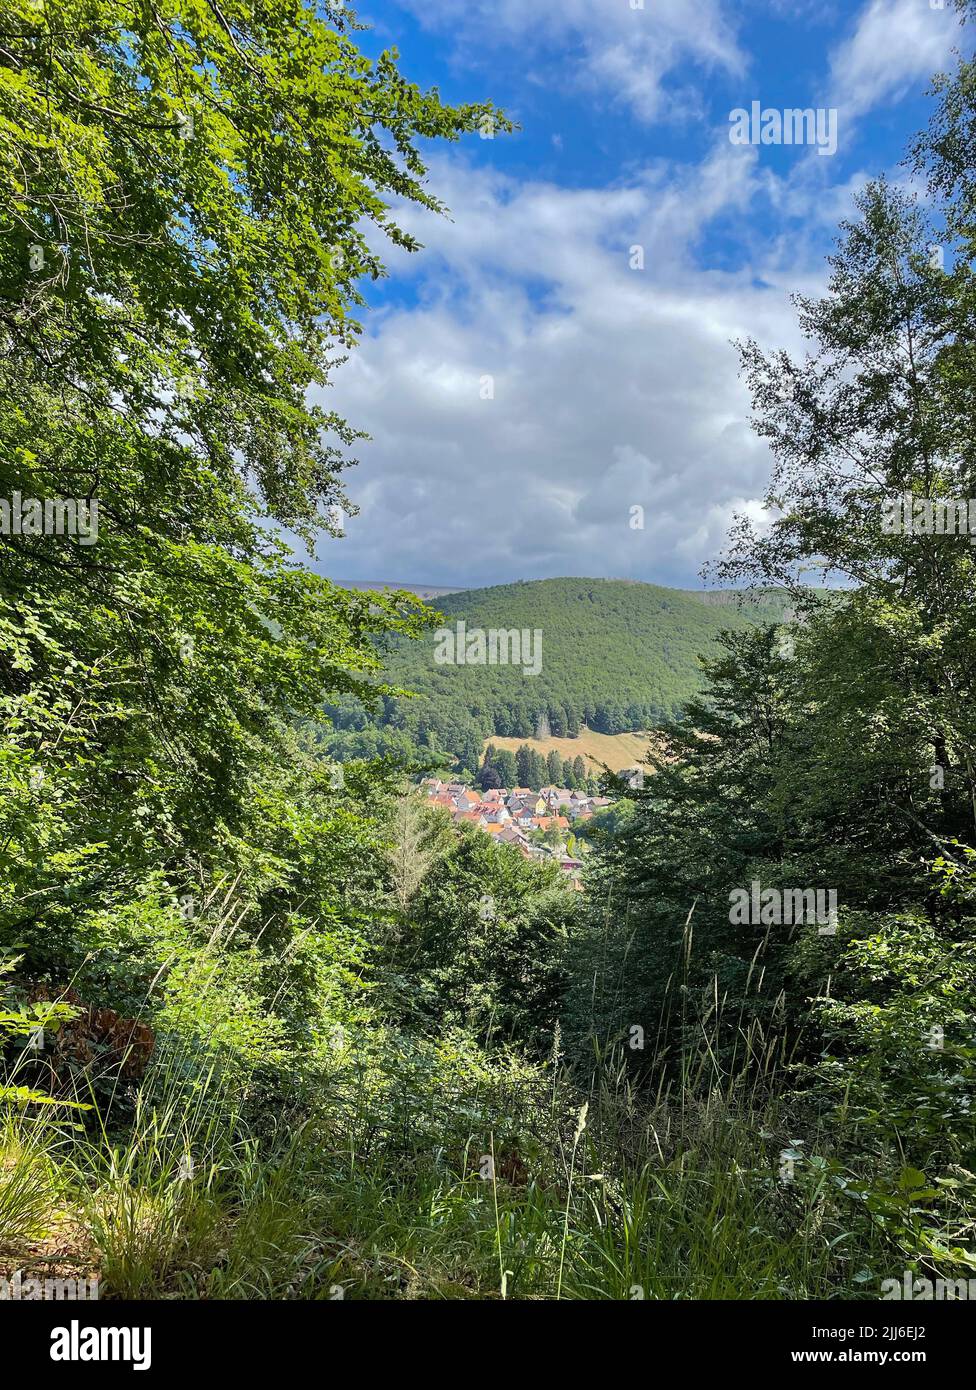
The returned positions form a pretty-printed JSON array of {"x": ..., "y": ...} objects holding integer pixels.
[
  {"x": 614, "y": 655},
  {"x": 271, "y": 1033}
]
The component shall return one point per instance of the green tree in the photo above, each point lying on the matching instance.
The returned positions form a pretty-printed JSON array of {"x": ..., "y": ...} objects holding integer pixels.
[
  {"x": 191, "y": 200},
  {"x": 505, "y": 763},
  {"x": 704, "y": 823},
  {"x": 537, "y": 770},
  {"x": 490, "y": 777},
  {"x": 485, "y": 949},
  {"x": 469, "y": 753}
]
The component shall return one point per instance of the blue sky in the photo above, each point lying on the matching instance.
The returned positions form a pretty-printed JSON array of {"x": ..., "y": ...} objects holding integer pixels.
[{"x": 526, "y": 385}]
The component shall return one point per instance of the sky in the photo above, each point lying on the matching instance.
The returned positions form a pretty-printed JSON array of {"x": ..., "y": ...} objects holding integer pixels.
[{"x": 560, "y": 352}]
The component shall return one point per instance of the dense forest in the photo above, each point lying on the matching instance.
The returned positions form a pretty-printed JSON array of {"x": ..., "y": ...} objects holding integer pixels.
[
  {"x": 616, "y": 656},
  {"x": 528, "y": 768},
  {"x": 273, "y": 1029}
]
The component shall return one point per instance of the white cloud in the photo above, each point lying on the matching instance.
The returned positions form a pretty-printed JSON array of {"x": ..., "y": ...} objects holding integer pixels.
[
  {"x": 624, "y": 52},
  {"x": 895, "y": 45},
  {"x": 613, "y": 387}
]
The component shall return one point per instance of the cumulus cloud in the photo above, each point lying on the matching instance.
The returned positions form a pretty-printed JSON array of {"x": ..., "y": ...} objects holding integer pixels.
[
  {"x": 527, "y": 388},
  {"x": 538, "y": 387},
  {"x": 624, "y": 51},
  {"x": 894, "y": 45}
]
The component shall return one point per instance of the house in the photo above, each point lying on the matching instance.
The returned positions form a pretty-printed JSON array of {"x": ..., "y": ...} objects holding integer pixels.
[
  {"x": 511, "y": 835},
  {"x": 510, "y": 816},
  {"x": 526, "y": 795}
]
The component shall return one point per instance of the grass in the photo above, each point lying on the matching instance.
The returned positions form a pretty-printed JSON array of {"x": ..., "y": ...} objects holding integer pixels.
[
  {"x": 27, "y": 1178},
  {"x": 684, "y": 1203},
  {"x": 693, "y": 1208},
  {"x": 699, "y": 1214},
  {"x": 617, "y": 751},
  {"x": 435, "y": 1171}
]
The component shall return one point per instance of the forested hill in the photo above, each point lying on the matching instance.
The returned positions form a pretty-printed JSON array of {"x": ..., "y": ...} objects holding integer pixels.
[{"x": 615, "y": 654}]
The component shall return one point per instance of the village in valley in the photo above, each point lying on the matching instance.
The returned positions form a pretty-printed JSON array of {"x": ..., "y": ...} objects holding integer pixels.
[{"x": 537, "y": 823}]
